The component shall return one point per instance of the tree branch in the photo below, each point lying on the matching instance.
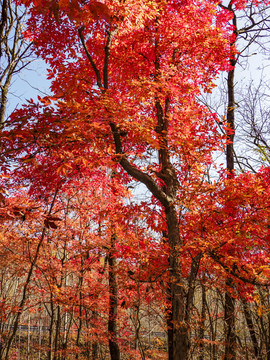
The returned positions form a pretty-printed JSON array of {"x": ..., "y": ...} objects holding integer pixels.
[{"x": 80, "y": 31}]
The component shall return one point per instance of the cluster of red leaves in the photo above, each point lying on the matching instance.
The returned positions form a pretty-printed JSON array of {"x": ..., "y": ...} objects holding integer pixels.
[{"x": 64, "y": 155}]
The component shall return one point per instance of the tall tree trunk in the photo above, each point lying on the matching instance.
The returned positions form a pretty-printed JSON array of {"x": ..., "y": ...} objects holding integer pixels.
[
  {"x": 268, "y": 339},
  {"x": 3, "y": 22},
  {"x": 180, "y": 327},
  {"x": 169, "y": 320},
  {"x": 50, "y": 350},
  {"x": 230, "y": 120},
  {"x": 202, "y": 323},
  {"x": 56, "y": 356},
  {"x": 112, "y": 322},
  {"x": 251, "y": 328},
  {"x": 92, "y": 345},
  {"x": 230, "y": 336},
  {"x": 79, "y": 330}
]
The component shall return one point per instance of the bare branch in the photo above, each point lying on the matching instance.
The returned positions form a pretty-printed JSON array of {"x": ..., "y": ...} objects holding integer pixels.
[{"x": 99, "y": 83}]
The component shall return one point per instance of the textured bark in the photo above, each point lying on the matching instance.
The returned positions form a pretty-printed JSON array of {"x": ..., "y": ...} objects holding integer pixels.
[
  {"x": 79, "y": 331},
  {"x": 169, "y": 320},
  {"x": 50, "y": 339},
  {"x": 112, "y": 322},
  {"x": 251, "y": 329},
  {"x": 3, "y": 22},
  {"x": 202, "y": 323},
  {"x": 56, "y": 356},
  {"x": 230, "y": 336},
  {"x": 268, "y": 339},
  {"x": 180, "y": 327},
  {"x": 230, "y": 119}
]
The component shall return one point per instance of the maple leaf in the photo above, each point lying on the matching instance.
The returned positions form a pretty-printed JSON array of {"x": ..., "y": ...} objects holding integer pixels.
[{"x": 99, "y": 11}]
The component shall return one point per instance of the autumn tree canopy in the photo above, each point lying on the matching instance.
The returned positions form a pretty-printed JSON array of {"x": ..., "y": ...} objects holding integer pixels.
[{"x": 126, "y": 78}]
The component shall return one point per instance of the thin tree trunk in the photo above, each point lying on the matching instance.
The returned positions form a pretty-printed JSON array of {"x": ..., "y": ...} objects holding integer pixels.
[
  {"x": 93, "y": 349},
  {"x": 57, "y": 333},
  {"x": 28, "y": 337},
  {"x": 26, "y": 284},
  {"x": 79, "y": 331},
  {"x": 202, "y": 323},
  {"x": 39, "y": 339},
  {"x": 24, "y": 296},
  {"x": 251, "y": 328},
  {"x": 230, "y": 336},
  {"x": 112, "y": 322},
  {"x": 3, "y": 22},
  {"x": 213, "y": 326},
  {"x": 51, "y": 330}
]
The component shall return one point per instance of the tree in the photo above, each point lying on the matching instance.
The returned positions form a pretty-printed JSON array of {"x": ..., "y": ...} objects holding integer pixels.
[
  {"x": 133, "y": 87},
  {"x": 249, "y": 25},
  {"x": 253, "y": 126},
  {"x": 15, "y": 51},
  {"x": 125, "y": 82}
]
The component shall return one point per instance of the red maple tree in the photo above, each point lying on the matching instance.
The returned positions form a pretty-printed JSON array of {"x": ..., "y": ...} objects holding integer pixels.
[{"x": 125, "y": 80}]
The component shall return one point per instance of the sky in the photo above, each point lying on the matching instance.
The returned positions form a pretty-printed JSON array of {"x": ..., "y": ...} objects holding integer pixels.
[{"x": 29, "y": 83}]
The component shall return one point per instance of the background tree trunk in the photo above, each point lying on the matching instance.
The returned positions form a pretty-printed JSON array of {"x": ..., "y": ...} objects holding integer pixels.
[{"x": 112, "y": 322}]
